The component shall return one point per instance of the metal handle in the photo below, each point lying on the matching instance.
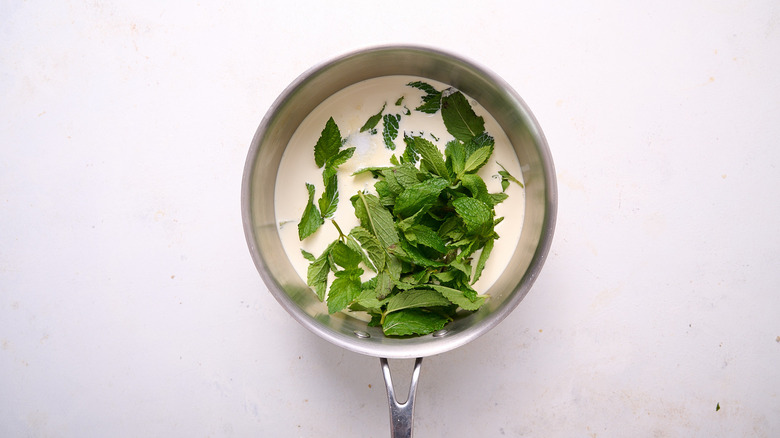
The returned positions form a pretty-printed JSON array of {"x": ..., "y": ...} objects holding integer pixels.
[{"x": 401, "y": 414}]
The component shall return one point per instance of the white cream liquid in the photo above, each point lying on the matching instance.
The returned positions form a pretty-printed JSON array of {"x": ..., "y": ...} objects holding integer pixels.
[{"x": 350, "y": 108}]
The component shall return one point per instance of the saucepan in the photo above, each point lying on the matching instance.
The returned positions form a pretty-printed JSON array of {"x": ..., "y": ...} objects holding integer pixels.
[{"x": 292, "y": 292}]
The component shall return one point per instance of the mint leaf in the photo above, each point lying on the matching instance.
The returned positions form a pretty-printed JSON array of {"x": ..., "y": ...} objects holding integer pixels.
[
  {"x": 457, "y": 297},
  {"x": 446, "y": 276},
  {"x": 375, "y": 170},
  {"x": 455, "y": 152},
  {"x": 431, "y": 100},
  {"x": 311, "y": 219},
  {"x": 459, "y": 118},
  {"x": 317, "y": 273},
  {"x": 371, "y": 245},
  {"x": 384, "y": 285},
  {"x": 420, "y": 196},
  {"x": 354, "y": 245},
  {"x": 431, "y": 157},
  {"x": 399, "y": 101},
  {"x": 328, "y": 144},
  {"x": 424, "y": 86},
  {"x": 478, "y": 159},
  {"x": 332, "y": 163},
  {"x": 462, "y": 267},
  {"x": 344, "y": 289},
  {"x": 476, "y": 185},
  {"x": 475, "y": 214},
  {"x": 307, "y": 255},
  {"x": 375, "y": 218},
  {"x": 479, "y": 141},
  {"x": 416, "y": 298},
  {"x": 410, "y": 154},
  {"x": 413, "y": 322},
  {"x": 367, "y": 300},
  {"x": 330, "y": 198},
  {"x": 390, "y": 131},
  {"x": 497, "y": 198},
  {"x": 483, "y": 257},
  {"x": 506, "y": 177},
  {"x": 423, "y": 235},
  {"x": 405, "y": 175},
  {"x": 406, "y": 252},
  {"x": 345, "y": 256},
  {"x": 373, "y": 121}
]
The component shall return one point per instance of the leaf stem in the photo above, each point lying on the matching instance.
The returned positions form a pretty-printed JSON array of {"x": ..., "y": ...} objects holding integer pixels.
[{"x": 342, "y": 236}]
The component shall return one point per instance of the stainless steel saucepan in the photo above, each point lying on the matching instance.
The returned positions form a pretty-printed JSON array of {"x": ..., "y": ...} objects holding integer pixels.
[{"x": 265, "y": 246}]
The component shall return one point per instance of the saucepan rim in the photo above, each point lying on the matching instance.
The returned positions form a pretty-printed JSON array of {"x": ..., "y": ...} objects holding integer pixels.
[{"x": 364, "y": 340}]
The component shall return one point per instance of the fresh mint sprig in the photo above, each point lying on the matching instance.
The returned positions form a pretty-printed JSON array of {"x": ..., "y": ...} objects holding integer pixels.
[{"x": 426, "y": 233}]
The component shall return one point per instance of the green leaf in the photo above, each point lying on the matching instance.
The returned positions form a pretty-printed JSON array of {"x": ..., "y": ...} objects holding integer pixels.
[
  {"x": 431, "y": 157},
  {"x": 307, "y": 255},
  {"x": 410, "y": 154},
  {"x": 393, "y": 186},
  {"x": 421, "y": 277},
  {"x": 476, "y": 185},
  {"x": 384, "y": 285},
  {"x": 405, "y": 175},
  {"x": 420, "y": 196},
  {"x": 394, "y": 267},
  {"x": 373, "y": 120},
  {"x": 462, "y": 267},
  {"x": 375, "y": 170},
  {"x": 413, "y": 322},
  {"x": 371, "y": 245},
  {"x": 386, "y": 196},
  {"x": 354, "y": 245},
  {"x": 345, "y": 256},
  {"x": 452, "y": 228},
  {"x": 457, "y": 297},
  {"x": 416, "y": 298},
  {"x": 431, "y": 99},
  {"x": 475, "y": 214},
  {"x": 317, "y": 273},
  {"x": 328, "y": 144},
  {"x": 506, "y": 177},
  {"x": 497, "y": 198},
  {"x": 405, "y": 251},
  {"x": 399, "y": 101},
  {"x": 344, "y": 290},
  {"x": 447, "y": 276},
  {"x": 459, "y": 117},
  {"x": 375, "y": 218},
  {"x": 483, "y": 257},
  {"x": 424, "y": 86},
  {"x": 330, "y": 198},
  {"x": 368, "y": 299},
  {"x": 332, "y": 164},
  {"x": 423, "y": 235},
  {"x": 311, "y": 218},
  {"x": 482, "y": 140},
  {"x": 478, "y": 159},
  {"x": 390, "y": 131},
  {"x": 455, "y": 152}
]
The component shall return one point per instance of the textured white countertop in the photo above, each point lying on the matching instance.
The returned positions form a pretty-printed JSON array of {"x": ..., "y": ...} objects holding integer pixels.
[{"x": 129, "y": 305}]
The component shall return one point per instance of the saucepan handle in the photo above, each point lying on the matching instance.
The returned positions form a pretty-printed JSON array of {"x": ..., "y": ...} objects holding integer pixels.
[{"x": 401, "y": 414}]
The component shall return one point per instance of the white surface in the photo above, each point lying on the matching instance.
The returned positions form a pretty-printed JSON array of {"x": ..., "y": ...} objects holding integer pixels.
[{"x": 129, "y": 305}]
